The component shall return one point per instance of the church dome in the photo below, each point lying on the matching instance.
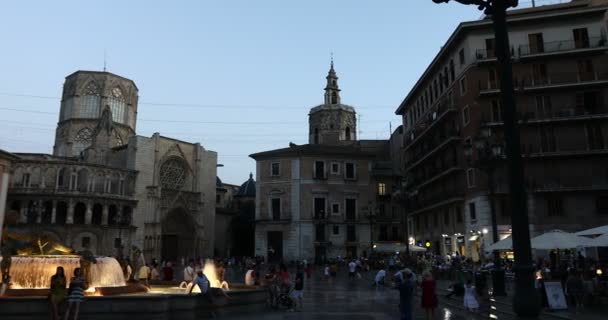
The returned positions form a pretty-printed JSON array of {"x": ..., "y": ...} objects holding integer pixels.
[{"x": 247, "y": 189}]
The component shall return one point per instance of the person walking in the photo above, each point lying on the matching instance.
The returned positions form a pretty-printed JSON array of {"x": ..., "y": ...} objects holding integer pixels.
[
  {"x": 470, "y": 299},
  {"x": 406, "y": 295},
  {"x": 429, "y": 295},
  {"x": 58, "y": 292},
  {"x": 352, "y": 270},
  {"x": 298, "y": 288},
  {"x": 76, "y": 294}
]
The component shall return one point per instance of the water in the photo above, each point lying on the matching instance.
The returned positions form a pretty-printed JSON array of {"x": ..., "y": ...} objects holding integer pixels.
[{"x": 34, "y": 272}]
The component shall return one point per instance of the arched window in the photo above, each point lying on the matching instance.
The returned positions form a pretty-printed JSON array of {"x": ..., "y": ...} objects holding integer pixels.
[
  {"x": 97, "y": 214},
  {"x": 127, "y": 216},
  {"x": 89, "y": 107},
  {"x": 334, "y": 98},
  {"x": 83, "y": 180},
  {"x": 112, "y": 215},
  {"x": 79, "y": 213},
  {"x": 62, "y": 213},
  {"x": 316, "y": 136},
  {"x": 334, "y": 83},
  {"x": 47, "y": 212},
  {"x": 117, "y": 106},
  {"x": 173, "y": 174},
  {"x": 347, "y": 133}
]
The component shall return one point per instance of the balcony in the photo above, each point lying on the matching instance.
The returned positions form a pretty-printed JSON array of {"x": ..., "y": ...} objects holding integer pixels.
[
  {"x": 565, "y": 80},
  {"x": 435, "y": 175},
  {"x": 562, "y": 115},
  {"x": 444, "y": 108},
  {"x": 488, "y": 55},
  {"x": 435, "y": 201},
  {"x": 444, "y": 140},
  {"x": 535, "y": 151},
  {"x": 562, "y": 47},
  {"x": 581, "y": 185}
]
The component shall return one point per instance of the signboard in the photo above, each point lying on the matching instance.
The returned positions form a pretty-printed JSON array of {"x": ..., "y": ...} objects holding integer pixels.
[
  {"x": 447, "y": 241},
  {"x": 460, "y": 240},
  {"x": 555, "y": 295}
]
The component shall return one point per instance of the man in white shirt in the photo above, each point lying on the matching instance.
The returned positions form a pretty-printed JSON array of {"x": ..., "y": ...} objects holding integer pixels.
[
  {"x": 189, "y": 272},
  {"x": 352, "y": 269},
  {"x": 379, "y": 279}
]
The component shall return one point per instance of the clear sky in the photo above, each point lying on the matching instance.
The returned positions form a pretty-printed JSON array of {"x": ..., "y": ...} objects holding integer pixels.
[{"x": 242, "y": 74}]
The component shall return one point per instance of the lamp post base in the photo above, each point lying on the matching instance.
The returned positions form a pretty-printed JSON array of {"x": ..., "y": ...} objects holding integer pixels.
[{"x": 526, "y": 299}]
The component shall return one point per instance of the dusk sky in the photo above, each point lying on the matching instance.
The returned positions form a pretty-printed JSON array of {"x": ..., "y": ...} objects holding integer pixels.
[{"x": 237, "y": 76}]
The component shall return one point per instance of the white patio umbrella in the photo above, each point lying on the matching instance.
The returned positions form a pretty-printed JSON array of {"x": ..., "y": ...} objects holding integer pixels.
[
  {"x": 504, "y": 244},
  {"x": 558, "y": 239},
  {"x": 394, "y": 247},
  {"x": 601, "y": 241},
  {"x": 593, "y": 231}
]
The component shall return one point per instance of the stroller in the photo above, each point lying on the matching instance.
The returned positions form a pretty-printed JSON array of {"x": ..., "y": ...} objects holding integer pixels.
[{"x": 280, "y": 296}]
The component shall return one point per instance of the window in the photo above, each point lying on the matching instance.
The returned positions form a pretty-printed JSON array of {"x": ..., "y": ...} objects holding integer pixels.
[
  {"x": 336, "y": 230},
  {"x": 470, "y": 177},
  {"x": 276, "y": 208},
  {"x": 351, "y": 209},
  {"x": 86, "y": 242},
  {"x": 319, "y": 170},
  {"x": 383, "y": 233},
  {"x": 173, "y": 174},
  {"x": 68, "y": 107},
  {"x": 492, "y": 83},
  {"x": 465, "y": 116},
  {"x": 461, "y": 57},
  {"x": 547, "y": 139},
  {"x": 472, "y": 211},
  {"x": 543, "y": 106},
  {"x": 539, "y": 73},
  {"x": 335, "y": 168},
  {"x": 585, "y": 70},
  {"x": 535, "y": 41},
  {"x": 446, "y": 217},
  {"x": 490, "y": 48},
  {"x": 452, "y": 71},
  {"x": 347, "y": 134},
  {"x": 395, "y": 232},
  {"x": 555, "y": 206},
  {"x": 601, "y": 204},
  {"x": 351, "y": 235},
  {"x": 118, "y": 108},
  {"x": 319, "y": 208},
  {"x": 381, "y": 189},
  {"x": 350, "y": 170},
  {"x": 581, "y": 38},
  {"x": 463, "y": 86},
  {"x": 496, "y": 112},
  {"x": 83, "y": 140},
  {"x": 25, "y": 180},
  {"x": 595, "y": 137},
  {"x": 335, "y": 208},
  {"x": 89, "y": 107},
  {"x": 275, "y": 169}
]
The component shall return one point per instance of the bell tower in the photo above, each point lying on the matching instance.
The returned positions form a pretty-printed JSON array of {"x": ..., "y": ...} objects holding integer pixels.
[{"x": 332, "y": 122}]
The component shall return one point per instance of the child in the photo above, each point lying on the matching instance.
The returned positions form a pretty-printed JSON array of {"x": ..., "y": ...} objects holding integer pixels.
[{"x": 470, "y": 301}]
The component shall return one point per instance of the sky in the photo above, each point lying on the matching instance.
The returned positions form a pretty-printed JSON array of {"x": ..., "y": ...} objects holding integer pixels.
[{"x": 238, "y": 76}]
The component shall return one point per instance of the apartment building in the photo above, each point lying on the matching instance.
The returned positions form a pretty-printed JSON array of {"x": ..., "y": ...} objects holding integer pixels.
[{"x": 560, "y": 72}]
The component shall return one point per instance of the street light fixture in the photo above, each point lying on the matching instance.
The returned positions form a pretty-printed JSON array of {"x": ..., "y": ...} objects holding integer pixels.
[{"x": 526, "y": 300}]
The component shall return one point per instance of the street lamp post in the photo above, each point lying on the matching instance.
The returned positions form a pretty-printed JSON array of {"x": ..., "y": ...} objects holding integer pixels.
[
  {"x": 489, "y": 152},
  {"x": 526, "y": 300}
]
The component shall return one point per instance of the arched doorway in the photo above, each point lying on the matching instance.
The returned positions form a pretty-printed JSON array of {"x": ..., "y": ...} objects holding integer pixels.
[{"x": 178, "y": 236}]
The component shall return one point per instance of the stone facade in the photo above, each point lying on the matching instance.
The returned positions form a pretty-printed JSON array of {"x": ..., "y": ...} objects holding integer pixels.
[
  {"x": 318, "y": 201},
  {"x": 110, "y": 190}
]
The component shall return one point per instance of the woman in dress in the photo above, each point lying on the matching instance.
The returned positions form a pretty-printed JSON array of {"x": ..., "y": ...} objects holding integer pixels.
[
  {"x": 58, "y": 292},
  {"x": 470, "y": 301},
  {"x": 76, "y": 294},
  {"x": 429, "y": 295}
]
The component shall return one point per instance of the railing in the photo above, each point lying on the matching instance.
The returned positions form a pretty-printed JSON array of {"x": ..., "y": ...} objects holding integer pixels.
[
  {"x": 563, "y": 45},
  {"x": 433, "y": 146},
  {"x": 488, "y": 54},
  {"x": 443, "y": 106},
  {"x": 416, "y": 204},
  {"x": 564, "y": 78},
  {"x": 566, "y": 113}
]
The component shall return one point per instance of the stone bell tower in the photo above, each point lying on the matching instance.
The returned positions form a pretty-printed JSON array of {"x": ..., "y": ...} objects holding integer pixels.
[
  {"x": 85, "y": 96},
  {"x": 332, "y": 122}
]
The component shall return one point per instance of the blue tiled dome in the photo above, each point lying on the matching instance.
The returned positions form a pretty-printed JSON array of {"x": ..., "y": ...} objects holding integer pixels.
[{"x": 247, "y": 189}]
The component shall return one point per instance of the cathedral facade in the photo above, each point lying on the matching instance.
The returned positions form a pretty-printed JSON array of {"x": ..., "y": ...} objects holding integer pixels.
[{"x": 106, "y": 189}]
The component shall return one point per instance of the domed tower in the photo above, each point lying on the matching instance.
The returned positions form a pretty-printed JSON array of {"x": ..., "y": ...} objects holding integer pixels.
[
  {"x": 86, "y": 94},
  {"x": 332, "y": 122}
]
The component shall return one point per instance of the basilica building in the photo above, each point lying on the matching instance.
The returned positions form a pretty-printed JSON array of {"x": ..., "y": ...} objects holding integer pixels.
[{"x": 108, "y": 190}]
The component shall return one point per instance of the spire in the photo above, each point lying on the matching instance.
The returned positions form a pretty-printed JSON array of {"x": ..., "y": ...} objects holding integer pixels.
[{"x": 332, "y": 91}]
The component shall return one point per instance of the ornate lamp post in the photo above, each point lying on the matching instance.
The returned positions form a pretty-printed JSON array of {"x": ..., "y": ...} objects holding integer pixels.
[
  {"x": 526, "y": 300},
  {"x": 489, "y": 152}
]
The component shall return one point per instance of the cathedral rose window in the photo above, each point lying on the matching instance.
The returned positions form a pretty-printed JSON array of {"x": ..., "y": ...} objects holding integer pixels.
[{"x": 172, "y": 174}]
